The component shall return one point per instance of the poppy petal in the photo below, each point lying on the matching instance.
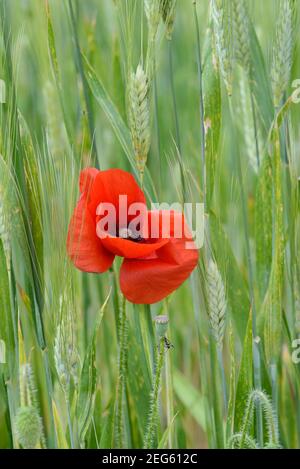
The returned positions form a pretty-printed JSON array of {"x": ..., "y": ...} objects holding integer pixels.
[
  {"x": 131, "y": 249},
  {"x": 110, "y": 184},
  {"x": 146, "y": 281},
  {"x": 83, "y": 245}
]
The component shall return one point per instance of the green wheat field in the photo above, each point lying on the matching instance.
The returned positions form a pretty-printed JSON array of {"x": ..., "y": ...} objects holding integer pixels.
[{"x": 200, "y": 101}]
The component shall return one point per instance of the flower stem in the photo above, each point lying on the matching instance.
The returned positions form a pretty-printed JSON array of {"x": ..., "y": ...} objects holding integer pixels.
[
  {"x": 169, "y": 401},
  {"x": 122, "y": 373},
  {"x": 152, "y": 418}
]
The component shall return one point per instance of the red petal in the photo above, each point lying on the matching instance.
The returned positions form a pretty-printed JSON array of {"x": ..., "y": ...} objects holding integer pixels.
[
  {"x": 83, "y": 245},
  {"x": 110, "y": 184},
  {"x": 130, "y": 249},
  {"x": 146, "y": 281}
]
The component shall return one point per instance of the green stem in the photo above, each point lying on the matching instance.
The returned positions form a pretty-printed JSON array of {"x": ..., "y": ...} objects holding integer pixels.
[
  {"x": 169, "y": 401},
  {"x": 70, "y": 422},
  {"x": 204, "y": 365},
  {"x": 273, "y": 375},
  {"x": 216, "y": 399},
  {"x": 172, "y": 440},
  {"x": 153, "y": 413},
  {"x": 122, "y": 373},
  {"x": 151, "y": 333},
  {"x": 49, "y": 387},
  {"x": 222, "y": 371},
  {"x": 246, "y": 421},
  {"x": 255, "y": 129}
]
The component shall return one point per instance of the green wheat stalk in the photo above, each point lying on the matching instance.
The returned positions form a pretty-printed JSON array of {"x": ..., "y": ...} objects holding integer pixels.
[{"x": 123, "y": 345}]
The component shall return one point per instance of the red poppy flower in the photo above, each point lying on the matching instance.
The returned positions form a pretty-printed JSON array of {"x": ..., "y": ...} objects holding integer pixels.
[{"x": 156, "y": 262}]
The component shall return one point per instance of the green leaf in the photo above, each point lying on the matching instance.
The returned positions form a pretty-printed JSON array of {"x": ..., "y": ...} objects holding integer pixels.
[
  {"x": 272, "y": 306},
  {"x": 51, "y": 44},
  {"x": 107, "y": 434},
  {"x": 263, "y": 224},
  {"x": 190, "y": 398},
  {"x": 260, "y": 81},
  {"x": 86, "y": 398},
  {"x": 7, "y": 326},
  {"x": 212, "y": 117},
  {"x": 5, "y": 423},
  {"x": 138, "y": 380},
  {"x": 164, "y": 439},
  {"x": 118, "y": 82},
  {"x": 232, "y": 386},
  {"x": 60, "y": 434},
  {"x": 55, "y": 69},
  {"x": 33, "y": 185},
  {"x": 88, "y": 381},
  {"x": 12, "y": 212}
]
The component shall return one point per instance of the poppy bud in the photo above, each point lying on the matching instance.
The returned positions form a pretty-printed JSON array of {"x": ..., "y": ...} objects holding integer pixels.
[{"x": 161, "y": 323}]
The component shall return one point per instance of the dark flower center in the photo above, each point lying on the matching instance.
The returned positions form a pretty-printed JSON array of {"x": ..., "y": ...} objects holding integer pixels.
[{"x": 127, "y": 233}]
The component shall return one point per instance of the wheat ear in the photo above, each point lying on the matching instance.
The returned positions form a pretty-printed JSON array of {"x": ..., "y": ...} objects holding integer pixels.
[
  {"x": 139, "y": 116},
  {"x": 282, "y": 51},
  {"x": 216, "y": 302},
  {"x": 222, "y": 41}
]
